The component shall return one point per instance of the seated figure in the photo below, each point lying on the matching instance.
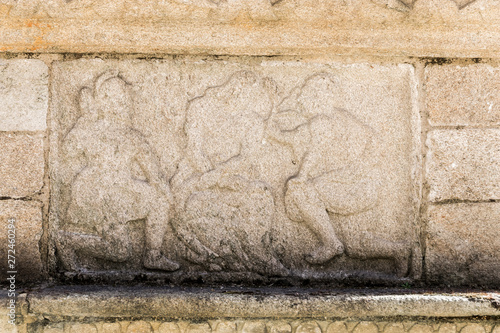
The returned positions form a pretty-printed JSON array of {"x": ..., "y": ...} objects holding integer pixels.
[
  {"x": 114, "y": 177},
  {"x": 224, "y": 209},
  {"x": 339, "y": 171}
]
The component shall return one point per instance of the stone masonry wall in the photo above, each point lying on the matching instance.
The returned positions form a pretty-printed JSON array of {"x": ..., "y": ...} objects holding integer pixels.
[
  {"x": 251, "y": 141},
  {"x": 458, "y": 162},
  {"x": 250, "y": 166}
]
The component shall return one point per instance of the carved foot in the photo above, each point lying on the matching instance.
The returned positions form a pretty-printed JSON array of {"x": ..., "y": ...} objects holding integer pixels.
[
  {"x": 66, "y": 253},
  {"x": 155, "y": 260},
  {"x": 325, "y": 253}
]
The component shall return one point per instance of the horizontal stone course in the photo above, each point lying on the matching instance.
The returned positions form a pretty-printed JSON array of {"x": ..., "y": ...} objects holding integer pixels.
[
  {"x": 22, "y": 164},
  {"x": 274, "y": 326},
  {"x": 463, "y": 95},
  {"x": 463, "y": 164},
  {"x": 437, "y": 28},
  {"x": 24, "y": 94},
  {"x": 463, "y": 243},
  {"x": 249, "y": 303}
]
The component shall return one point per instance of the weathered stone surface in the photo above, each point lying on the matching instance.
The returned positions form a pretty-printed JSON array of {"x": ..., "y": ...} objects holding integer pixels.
[
  {"x": 463, "y": 95},
  {"x": 5, "y": 326},
  {"x": 447, "y": 328},
  {"x": 366, "y": 327},
  {"x": 417, "y": 327},
  {"x": 27, "y": 217},
  {"x": 23, "y": 94},
  {"x": 140, "y": 327},
  {"x": 337, "y": 327},
  {"x": 440, "y": 28},
  {"x": 359, "y": 327},
  {"x": 142, "y": 302},
  {"x": 464, "y": 164},
  {"x": 463, "y": 242},
  {"x": 22, "y": 164},
  {"x": 307, "y": 327},
  {"x": 84, "y": 328},
  {"x": 421, "y": 328},
  {"x": 350, "y": 311},
  {"x": 12, "y": 312},
  {"x": 248, "y": 166},
  {"x": 116, "y": 328}
]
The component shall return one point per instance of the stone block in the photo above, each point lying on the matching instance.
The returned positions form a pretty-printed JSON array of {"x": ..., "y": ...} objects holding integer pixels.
[
  {"x": 27, "y": 216},
  {"x": 255, "y": 167},
  {"x": 463, "y": 164},
  {"x": 22, "y": 164},
  {"x": 24, "y": 92},
  {"x": 463, "y": 242},
  {"x": 420, "y": 28},
  {"x": 463, "y": 95}
]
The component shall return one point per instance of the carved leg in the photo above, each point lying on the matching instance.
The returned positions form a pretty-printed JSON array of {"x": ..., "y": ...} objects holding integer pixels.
[
  {"x": 156, "y": 226},
  {"x": 113, "y": 245},
  {"x": 204, "y": 256},
  {"x": 66, "y": 252},
  {"x": 314, "y": 214},
  {"x": 384, "y": 249}
]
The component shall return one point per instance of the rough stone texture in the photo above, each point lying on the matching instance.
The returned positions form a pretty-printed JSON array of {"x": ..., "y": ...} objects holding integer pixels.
[
  {"x": 252, "y": 304},
  {"x": 56, "y": 310},
  {"x": 433, "y": 28},
  {"x": 20, "y": 311},
  {"x": 231, "y": 167},
  {"x": 5, "y": 326},
  {"x": 23, "y": 94},
  {"x": 28, "y": 222},
  {"x": 268, "y": 326},
  {"x": 22, "y": 164},
  {"x": 464, "y": 164},
  {"x": 463, "y": 95},
  {"x": 463, "y": 242}
]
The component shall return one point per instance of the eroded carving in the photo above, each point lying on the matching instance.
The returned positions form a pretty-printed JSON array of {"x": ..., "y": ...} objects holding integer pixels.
[
  {"x": 271, "y": 181},
  {"x": 114, "y": 178},
  {"x": 225, "y": 209},
  {"x": 338, "y": 162},
  {"x": 339, "y": 171}
]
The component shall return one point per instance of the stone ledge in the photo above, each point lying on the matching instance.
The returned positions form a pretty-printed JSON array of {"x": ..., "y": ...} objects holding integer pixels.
[
  {"x": 80, "y": 36},
  {"x": 252, "y": 303}
]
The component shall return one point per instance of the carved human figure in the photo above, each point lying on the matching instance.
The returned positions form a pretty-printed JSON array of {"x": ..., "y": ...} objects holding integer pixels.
[
  {"x": 225, "y": 209},
  {"x": 115, "y": 177},
  {"x": 338, "y": 162}
]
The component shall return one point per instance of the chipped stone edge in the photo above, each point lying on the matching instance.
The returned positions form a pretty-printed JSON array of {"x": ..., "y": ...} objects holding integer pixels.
[{"x": 144, "y": 302}]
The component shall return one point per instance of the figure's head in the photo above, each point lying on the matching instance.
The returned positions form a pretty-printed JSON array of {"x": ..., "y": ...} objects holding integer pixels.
[
  {"x": 113, "y": 97},
  {"x": 248, "y": 93},
  {"x": 317, "y": 95}
]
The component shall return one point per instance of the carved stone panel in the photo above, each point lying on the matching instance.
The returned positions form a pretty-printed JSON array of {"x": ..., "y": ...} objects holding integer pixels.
[{"x": 235, "y": 170}]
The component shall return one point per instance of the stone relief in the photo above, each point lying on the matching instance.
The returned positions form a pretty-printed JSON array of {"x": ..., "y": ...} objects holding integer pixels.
[
  {"x": 222, "y": 187},
  {"x": 114, "y": 175},
  {"x": 254, "y": 162}
]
